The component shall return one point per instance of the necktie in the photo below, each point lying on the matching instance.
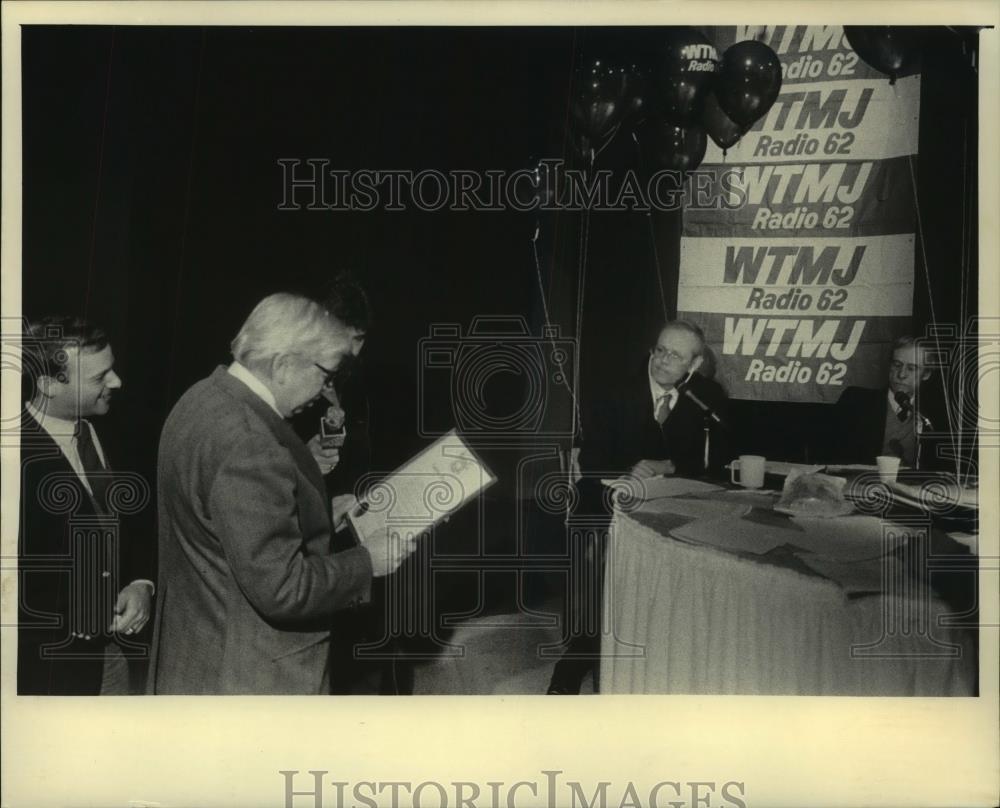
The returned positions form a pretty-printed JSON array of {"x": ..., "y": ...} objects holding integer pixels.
[
  {"x": 97, "y": 476},
  {"x": 905, "y": 408},
  {"x": 662, "y": 408}
]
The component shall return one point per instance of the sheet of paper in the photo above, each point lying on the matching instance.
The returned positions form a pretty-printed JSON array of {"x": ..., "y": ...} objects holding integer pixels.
[
  {"x": 782, "y": 468},
  {"x": 935, "y": 494},
  {"x": 854, "y": 577},
  {"x": 430, "y": 486},
  {"x": 848, "y": 538},
  {"x": 694, "y": 508},
  {"x": 735, "y": 534},
  {"x": 657, "y": 487}
]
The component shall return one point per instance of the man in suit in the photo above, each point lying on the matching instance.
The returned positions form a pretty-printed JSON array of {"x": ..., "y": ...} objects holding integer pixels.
[
  {"x": 75, "y": 624},
  {"x": 248, "y": 579},
  {"x": 653, "y": 427},
  {"x": 891, "y": 420},
  {"x": 656, "y": 425}
]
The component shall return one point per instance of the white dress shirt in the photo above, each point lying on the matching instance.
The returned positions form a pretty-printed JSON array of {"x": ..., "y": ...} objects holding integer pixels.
[
  {"x": 63, "y": 432},
  {"x": 657, "y": 391}
]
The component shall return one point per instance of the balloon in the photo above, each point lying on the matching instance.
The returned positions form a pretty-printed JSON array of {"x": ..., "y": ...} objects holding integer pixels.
[
  {"x": 720, "y": 127},
  {"x": 890, "y": 49},
  {"x": 664, "y": 144},
  {"x": 683, "y": 74},
  {"x": 603, "y": 94},
  {"x": 749, "y": 81}
]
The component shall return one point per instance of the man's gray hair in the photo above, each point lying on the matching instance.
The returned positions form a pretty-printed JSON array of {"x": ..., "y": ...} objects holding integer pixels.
[{"x": 285, "y": 324}]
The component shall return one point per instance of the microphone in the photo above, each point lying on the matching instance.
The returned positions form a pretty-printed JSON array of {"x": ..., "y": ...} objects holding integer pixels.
[
  {"x": 709, "y": 412},
  {"x": 332, "y": 427}
]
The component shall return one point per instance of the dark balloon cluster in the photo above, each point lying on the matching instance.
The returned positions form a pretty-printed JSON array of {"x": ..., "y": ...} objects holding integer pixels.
[{"x": 675, "y": 92}]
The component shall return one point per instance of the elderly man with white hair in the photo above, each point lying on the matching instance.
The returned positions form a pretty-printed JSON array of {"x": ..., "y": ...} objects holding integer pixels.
[{"x": 248, "y": 581}]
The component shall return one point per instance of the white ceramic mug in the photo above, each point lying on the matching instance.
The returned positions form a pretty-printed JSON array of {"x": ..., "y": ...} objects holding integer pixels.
[
  {"x": 888, "y": 468},
  {"x": 751, "y": 471}
]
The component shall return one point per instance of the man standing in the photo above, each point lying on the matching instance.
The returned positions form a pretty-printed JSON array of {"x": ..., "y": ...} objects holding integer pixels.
[
  {"x": 248, "y": 581},
  {"x": 72, "y": 556},
  {"x": 887, "y": 421},
  {"x": 656, "y": 426}
]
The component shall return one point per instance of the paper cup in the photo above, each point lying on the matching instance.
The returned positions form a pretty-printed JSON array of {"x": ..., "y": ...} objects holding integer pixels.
[{"x": 888, "y": 468}]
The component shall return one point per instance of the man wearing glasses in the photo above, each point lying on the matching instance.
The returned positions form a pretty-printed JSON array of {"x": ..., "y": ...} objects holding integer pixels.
[
  {"x": 890, "y": 421},
  {"x": 248, "y": 582},
  {"x": 654, "y": 427},
  {"x": 657, "y": 426}
]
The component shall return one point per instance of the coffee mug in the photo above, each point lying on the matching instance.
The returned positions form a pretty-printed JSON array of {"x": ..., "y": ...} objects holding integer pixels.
[{"x": 751, "y": 471}]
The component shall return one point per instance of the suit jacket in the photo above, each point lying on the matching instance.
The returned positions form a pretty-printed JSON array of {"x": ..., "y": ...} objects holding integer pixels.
[
  {"x": 248, "y": 582},
  {"x": 858, "y": 430},
  {"x": 73, "y": 562},
  {"x": 623, "y": 430}
]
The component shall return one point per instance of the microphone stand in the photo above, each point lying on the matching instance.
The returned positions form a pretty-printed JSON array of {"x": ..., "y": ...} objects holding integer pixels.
[{"x": 707, "y": 427}]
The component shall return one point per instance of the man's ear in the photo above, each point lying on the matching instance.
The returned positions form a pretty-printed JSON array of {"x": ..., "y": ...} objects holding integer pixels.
[
  {"x": 696, "y": 363},
  {"x": 45, "y": 385},
  {"x": 279, "y": 367},
  {"x": 925, "y": 374}
]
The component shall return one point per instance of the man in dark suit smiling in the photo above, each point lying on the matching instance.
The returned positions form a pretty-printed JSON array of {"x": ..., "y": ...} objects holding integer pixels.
[{"x": 74, "y": 617}]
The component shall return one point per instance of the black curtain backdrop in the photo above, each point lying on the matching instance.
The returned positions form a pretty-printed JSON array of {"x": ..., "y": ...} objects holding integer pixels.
[{"x": 152, "y": 185}]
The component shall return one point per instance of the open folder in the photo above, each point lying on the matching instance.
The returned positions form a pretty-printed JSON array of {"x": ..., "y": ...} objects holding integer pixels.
[{"x": 426, "y": 489}]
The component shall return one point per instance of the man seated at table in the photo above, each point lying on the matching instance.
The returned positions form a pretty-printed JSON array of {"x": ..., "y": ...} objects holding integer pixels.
[
  {"x": 653, "y": 427},
  {"x": 656, "y": 425},
  {"x": 890, "y": 420}
]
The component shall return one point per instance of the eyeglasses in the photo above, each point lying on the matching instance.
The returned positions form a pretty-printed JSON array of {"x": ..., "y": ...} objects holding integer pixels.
[
  {"x": 896, "y": 367},
  {"x": 328, "y": 375},
  {"x": 667, "y": 355}
]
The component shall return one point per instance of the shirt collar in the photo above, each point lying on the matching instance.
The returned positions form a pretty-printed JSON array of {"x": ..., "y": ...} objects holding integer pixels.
[
  {"x": 59, "y": 429},
  {"x": 256, "y": 385},
  {"x": 657, "y": 390}
]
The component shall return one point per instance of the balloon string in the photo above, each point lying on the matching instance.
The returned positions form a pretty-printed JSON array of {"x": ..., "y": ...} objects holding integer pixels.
[
  {"x": 930, "y": 299},
  {"x": 545, "y": 312},
  {"x": 580, "y": 289},
  {"x": 652, "y": 237},
  {"x": 656, "y": 265},
  {"x": 594, "y": 155}
]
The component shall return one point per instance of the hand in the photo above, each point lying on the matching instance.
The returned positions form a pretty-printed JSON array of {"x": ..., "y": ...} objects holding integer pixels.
[
  {"x": 132, "y": 608},
  {"x": 388, "y": 550},
  {"x": 645, "y": 469},
  {"x": 326, "y": 457},
  {"x": 341, "y": 505}
]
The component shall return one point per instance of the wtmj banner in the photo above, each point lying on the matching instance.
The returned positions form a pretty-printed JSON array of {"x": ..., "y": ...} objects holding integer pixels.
[{"x": 806, "y": 277}]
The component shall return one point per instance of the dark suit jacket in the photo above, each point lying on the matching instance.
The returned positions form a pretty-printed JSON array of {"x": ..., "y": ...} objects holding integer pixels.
[
  {"x": 73, "y": 563},
  {"x": 858, "y": 429},
  {"x": 248, "y": 582},
  {"x": 623, "y": 431}
]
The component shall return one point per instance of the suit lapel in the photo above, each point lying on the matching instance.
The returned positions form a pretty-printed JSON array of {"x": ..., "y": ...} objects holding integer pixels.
[{"x": 38, "y": 446}]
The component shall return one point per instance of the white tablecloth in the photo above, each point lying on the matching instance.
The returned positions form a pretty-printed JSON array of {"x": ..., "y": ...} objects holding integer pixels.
[{"x": 693, "y": 619}]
